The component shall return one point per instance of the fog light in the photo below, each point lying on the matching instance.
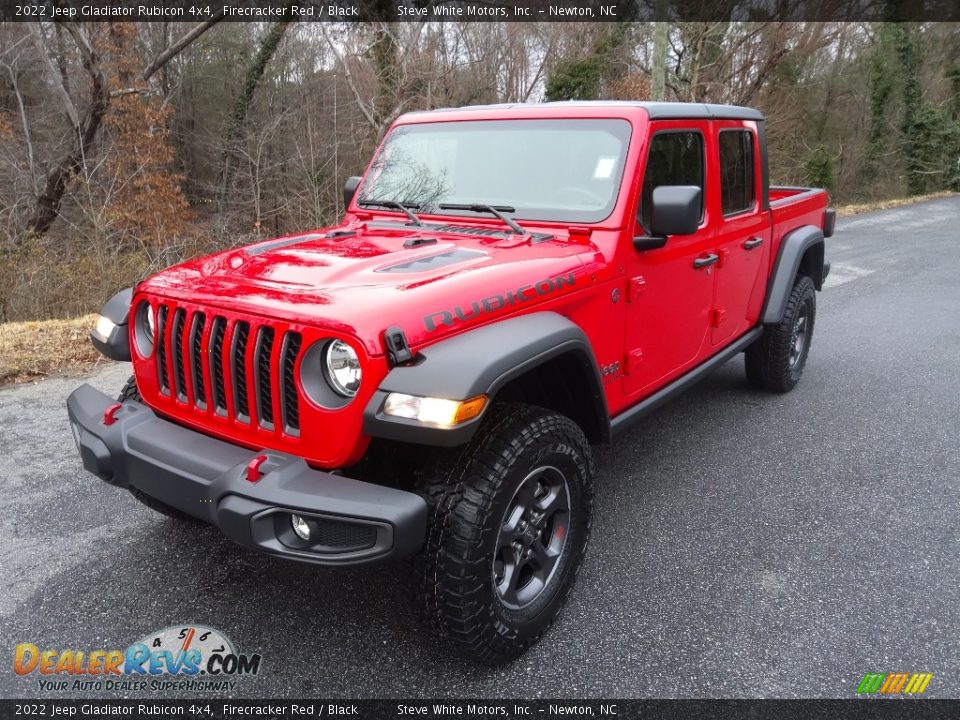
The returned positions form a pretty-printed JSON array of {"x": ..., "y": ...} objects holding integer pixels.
[{"x": 300, "y": 527}]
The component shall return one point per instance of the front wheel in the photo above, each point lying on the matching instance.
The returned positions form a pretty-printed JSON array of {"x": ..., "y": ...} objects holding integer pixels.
[
  {"x": 776, "y": 360},
  {"x": 510, "y": 521}
]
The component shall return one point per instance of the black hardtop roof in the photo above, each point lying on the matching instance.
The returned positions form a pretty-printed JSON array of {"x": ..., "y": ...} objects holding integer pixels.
[{"x": 656, "y": 110}]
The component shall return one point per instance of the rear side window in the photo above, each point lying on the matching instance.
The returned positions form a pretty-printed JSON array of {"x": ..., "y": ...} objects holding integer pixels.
[
  {"x": 675, "y": 158},
  {"x": 737, "y": 192}
]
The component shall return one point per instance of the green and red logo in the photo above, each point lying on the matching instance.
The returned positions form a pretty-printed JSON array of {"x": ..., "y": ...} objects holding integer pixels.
[{"x": 894, "y": 683}]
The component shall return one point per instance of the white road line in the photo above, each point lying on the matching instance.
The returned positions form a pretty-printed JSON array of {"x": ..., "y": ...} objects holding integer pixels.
[{"x": 841, "y": 273}]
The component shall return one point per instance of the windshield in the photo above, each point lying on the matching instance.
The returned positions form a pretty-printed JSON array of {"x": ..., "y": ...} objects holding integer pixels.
[{"x": 559, "y": 170}]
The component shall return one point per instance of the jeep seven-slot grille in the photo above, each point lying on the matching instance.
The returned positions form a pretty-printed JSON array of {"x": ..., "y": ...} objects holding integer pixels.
[{"x": 201, "y": 355}]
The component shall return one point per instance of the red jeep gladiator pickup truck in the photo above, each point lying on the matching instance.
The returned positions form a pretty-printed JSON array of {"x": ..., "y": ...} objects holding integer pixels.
[{"x": 509, "y": 286}]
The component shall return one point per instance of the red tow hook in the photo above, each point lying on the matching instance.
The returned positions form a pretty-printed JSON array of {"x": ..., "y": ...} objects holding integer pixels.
[
  {"x": 108, "y": 414},
  {"x": 253, "y": 468}
]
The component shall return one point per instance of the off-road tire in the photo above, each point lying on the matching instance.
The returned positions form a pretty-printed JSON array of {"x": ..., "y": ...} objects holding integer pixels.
[
  {"x": 469, "y": 491},
  {"x": 131, "y": 393},
  {"x": 772, "y": 362}
]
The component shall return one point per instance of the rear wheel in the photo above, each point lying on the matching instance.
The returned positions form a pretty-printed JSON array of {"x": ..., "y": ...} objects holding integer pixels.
[
  {"x": 775, "y": 362},
  {"x": 509, "y": 525},
  {"x": 130, "y": 393}
]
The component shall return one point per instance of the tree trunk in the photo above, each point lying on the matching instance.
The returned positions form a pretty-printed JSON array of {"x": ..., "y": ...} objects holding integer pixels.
[
  {"x": 48, "y": 204},
  {"x": 251, "y": 81},
  {"x": 661, "y": 29}
]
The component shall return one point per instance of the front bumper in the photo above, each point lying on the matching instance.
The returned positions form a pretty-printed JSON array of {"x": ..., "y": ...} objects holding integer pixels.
[{"x": 353, "y": 522}]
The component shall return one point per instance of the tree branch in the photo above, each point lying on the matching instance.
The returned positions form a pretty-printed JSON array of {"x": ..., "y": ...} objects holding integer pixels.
[
  {"x": 26, "y": 126},
  {"x": 61, "y": 86},
  {"x": 177, "y": 47},
  {"x": 367, "y": 112}
]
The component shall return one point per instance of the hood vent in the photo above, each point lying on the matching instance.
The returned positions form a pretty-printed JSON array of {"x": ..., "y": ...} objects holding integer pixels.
[
  {"x": 432, "y": 262},
  {"x": 460, "y": 229},
  {"x": 284, "y": 242}
]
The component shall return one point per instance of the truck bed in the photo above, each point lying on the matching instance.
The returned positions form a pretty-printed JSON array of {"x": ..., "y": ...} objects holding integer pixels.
[{"x": 791, "y": 207}]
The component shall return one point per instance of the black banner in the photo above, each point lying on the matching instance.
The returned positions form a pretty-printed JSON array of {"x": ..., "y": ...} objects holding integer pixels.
[
  {"x": 478, "y": 10},
  {"x": 853, "y": 709}
]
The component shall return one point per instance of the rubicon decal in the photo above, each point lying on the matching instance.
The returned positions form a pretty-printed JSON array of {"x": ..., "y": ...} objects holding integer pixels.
[
  {"x": 174, "y": 658},
  {"x": 894, "y": 683},
  {"x": 496, "y": 302}
]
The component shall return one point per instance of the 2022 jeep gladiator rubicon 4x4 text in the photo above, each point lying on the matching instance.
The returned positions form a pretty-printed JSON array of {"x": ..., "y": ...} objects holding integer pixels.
[{"x": 509, "y": 286}]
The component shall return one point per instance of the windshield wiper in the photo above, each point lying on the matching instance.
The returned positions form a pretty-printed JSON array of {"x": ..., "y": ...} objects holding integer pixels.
[
  {"x": 497, "y": 210},
  {"x": 402, "y": 207}
]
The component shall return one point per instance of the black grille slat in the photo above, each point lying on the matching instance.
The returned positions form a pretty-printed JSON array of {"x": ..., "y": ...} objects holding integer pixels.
[
  {"x": 196, "y": 360},
  {"x": 262, "y": 381},
  {"x": 162, "y": 350},
  {"x": 217, "y": 332},
  {"x": 176, "y": 338},
  {"x": 238, "y": 369},
  {"x": 288, "y": 384}
]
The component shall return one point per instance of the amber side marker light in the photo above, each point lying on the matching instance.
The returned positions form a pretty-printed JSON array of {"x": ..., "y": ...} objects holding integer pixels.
[{"x": 436, "y": 412}]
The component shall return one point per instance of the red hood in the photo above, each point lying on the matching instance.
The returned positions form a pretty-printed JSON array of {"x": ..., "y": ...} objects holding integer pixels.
[{"x": 361, "y": 278}]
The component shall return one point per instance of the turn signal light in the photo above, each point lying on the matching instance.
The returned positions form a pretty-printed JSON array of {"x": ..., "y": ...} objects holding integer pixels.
[{"x": 437, "y": 412}]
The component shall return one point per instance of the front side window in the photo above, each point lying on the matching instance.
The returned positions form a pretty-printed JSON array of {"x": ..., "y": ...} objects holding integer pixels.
[
  {"x": 737, "y": 189},
  {"x": 551, "y": 170},
  {"x": 674, "y": 158}
]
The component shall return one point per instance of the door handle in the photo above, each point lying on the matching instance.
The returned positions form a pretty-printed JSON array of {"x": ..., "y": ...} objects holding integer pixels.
[
  {"x": 702, "y": 262},
  {"x": 752, "y": 243}
]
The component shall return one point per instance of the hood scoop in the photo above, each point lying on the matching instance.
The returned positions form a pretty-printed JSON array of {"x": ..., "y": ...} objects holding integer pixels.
[
  {"x": 296, "y": 240},
  {"x": 419, "y": 242},
  {"x": 432, "y": 262}
]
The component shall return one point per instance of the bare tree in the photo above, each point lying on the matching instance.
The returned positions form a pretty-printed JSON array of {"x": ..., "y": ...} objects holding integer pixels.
[{"x": 85, "y": 128}]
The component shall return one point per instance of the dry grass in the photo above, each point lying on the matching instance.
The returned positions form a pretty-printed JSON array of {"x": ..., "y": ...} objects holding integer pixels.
[
  {"x": 844, "y": 210},
  {"x": 35, "y": 349}
]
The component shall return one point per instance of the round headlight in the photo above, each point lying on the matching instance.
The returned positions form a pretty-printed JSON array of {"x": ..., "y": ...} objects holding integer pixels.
[
  {"x": 343, "y": 368},
  {"x": 144, "y": 328}
]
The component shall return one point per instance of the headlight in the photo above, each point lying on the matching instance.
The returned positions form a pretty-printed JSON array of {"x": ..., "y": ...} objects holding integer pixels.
[
  {"x": 343, "y": 368},
  {"x": 144, "y": 328},
  {"x": 105, "y": 326},
  {"x": 438, "y": 412}
]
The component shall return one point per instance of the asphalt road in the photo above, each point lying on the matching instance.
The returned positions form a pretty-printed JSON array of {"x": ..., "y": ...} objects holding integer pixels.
[{"x": 744, "y": 544}]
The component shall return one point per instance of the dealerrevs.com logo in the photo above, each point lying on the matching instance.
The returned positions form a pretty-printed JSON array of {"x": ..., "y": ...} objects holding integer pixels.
[{"x": 182, "y": 657}]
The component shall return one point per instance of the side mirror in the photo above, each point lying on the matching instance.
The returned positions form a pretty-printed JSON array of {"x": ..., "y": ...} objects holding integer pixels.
[
  {"x": 675, "y": 210},
  {"x": 350, "y": 189}
]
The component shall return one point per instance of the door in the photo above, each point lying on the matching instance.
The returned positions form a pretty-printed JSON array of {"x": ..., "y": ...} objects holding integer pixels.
[
  {"x": 743, "y": 233},
  {"x": 670, "y": 289}
]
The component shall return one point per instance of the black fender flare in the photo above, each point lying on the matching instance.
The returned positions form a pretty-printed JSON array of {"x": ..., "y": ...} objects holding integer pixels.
[
  {"x": 792, "y": 249},
  {"x": 481, "y": 361},
  {"x": 117, "y": 311}
]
